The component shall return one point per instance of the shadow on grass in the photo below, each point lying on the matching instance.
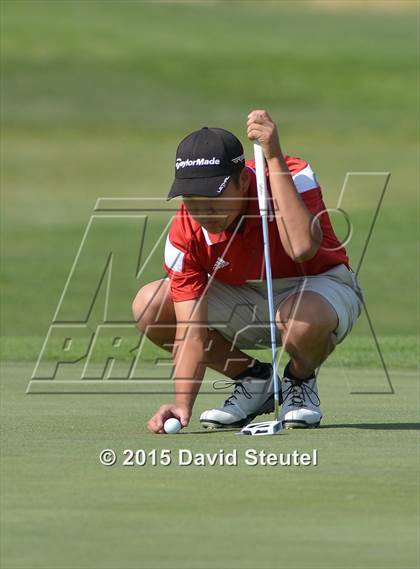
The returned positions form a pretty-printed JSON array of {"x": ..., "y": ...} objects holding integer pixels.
[
  {"x": 376, "y": 426},
  {"x": 210, "y": 431}
]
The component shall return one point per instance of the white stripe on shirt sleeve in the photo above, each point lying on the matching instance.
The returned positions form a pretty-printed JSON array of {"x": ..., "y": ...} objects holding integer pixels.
[
  {"x": 206, "y": 236},
  {"x": 305, "y": 180},
  {"x": 173, "y": 257}
]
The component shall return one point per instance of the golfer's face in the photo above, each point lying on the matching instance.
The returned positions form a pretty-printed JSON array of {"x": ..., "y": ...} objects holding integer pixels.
[{"x": 216, "y": 214}]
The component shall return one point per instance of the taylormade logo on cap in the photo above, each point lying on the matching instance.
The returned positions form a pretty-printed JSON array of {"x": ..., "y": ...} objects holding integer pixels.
[
  {"x": 197, "y": 162},
  {"x": 205, "y": 161}
]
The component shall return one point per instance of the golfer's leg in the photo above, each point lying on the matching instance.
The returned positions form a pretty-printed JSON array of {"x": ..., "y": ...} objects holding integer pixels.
[
  {"x": 307, "y": 329},
  {"x": 154, "y": 313}
]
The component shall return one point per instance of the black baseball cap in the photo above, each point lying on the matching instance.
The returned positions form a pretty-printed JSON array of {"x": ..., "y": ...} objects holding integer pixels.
[{"x": 205, "y": 160}]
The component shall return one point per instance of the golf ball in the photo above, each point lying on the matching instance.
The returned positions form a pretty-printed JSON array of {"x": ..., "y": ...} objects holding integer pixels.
[{"x": 172, "y": 426}]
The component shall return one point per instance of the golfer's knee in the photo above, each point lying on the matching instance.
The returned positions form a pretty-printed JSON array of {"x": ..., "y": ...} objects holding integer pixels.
[
  {"x": 313, "y": 328},
  {"x": 145, "y": 307},
  {"x": 313, "y": 320},
  {"x": 304, "y": 333}
]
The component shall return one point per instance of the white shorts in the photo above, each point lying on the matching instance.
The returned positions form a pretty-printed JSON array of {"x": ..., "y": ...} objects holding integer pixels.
[{"x": 240, "y": 313}]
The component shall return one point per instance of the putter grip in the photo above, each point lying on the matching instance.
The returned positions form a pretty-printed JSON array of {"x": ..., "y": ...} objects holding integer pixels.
[{"x": 261, "y": 179}]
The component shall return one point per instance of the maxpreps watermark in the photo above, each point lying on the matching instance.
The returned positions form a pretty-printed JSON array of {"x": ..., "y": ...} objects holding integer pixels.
[
  {"x": 93, "y": 346},
  {"x": 186, "y": 457}
]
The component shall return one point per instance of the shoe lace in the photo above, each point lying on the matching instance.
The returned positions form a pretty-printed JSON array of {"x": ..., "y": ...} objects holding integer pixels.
[
  {"x": 240, "y": 389},
  {"x": 297, "y": 392}
]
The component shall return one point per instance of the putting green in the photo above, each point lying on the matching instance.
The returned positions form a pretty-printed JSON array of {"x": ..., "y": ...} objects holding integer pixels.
[{"x": 62, "y": 508}]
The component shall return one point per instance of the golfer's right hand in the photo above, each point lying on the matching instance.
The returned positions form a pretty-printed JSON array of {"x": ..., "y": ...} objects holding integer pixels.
[{"x": 180, "y": 412}]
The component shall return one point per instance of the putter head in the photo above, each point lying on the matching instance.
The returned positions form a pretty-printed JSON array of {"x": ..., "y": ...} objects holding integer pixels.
[{"x": 266, "y": 428}]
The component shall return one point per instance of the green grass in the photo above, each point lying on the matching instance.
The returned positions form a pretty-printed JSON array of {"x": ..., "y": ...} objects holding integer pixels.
[
  {"x": 62, "y": 509},
  {"x": 358, "y": 351},
  {"x": 95, "y": 98}
]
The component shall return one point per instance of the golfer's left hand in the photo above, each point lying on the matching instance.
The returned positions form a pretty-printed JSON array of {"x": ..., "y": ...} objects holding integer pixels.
[{"x": 261, "y": 127}]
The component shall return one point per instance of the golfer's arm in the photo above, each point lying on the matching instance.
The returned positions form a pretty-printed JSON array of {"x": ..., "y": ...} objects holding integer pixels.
[
  {"x": 189, "y": 349},
  {"x": 300, "y": 233}
]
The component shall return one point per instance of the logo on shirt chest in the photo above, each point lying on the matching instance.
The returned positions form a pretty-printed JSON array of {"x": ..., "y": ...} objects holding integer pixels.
[{"x": 220, "y": 264}]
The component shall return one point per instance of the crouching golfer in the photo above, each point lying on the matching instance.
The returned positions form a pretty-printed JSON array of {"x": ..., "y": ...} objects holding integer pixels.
[{"x": 214, "y": 303}]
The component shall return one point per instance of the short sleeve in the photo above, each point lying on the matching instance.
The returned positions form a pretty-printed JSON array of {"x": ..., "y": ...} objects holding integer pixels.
[
  {"x": 303, "y": 176},
  {"x": 187, "y": 278},
  {"x": 306, "y": 184}
]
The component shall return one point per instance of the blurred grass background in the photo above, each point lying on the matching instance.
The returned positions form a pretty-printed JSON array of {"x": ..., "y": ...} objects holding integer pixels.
[{"x": 96, "y": 96}]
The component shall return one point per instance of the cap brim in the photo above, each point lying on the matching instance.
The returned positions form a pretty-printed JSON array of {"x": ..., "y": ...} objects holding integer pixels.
[{"x": 205, "y": 187}]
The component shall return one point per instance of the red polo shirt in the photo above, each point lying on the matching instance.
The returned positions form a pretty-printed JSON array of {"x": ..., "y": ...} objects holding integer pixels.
[{"x": 192, "y": 254}]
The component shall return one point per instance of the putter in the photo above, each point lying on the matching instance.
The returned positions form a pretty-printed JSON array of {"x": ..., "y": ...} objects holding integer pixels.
[{"x": 267, "y": 427}]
